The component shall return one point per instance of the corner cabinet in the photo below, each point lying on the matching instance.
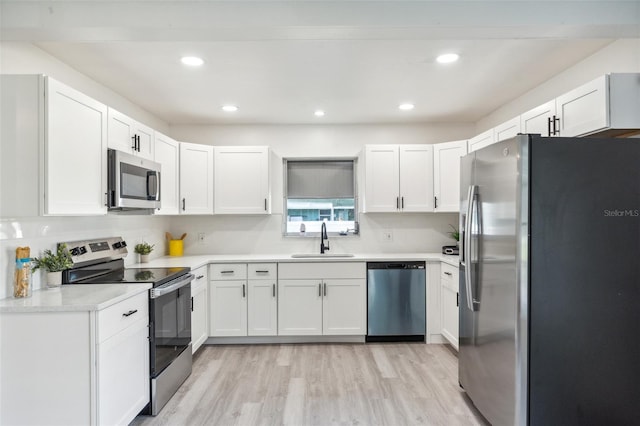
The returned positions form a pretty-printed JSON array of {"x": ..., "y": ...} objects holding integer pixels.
[
  {"x": 130, "y": 136},
  {"x": 322, "y": 299},
  {"x": 76, "y": 367},
  {"x": 196, "y": 179},
  {"x": 199, "y": 308},
  {"x": 446, "y": 175},
  {"x": 398, "y": 178},
  {"x": 241, "y": 180},
  {"x": 167, "y": 153},
  {"x": 449, "y": 303}
]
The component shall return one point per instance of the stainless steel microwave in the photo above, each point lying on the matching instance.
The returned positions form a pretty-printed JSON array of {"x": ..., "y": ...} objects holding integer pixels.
[{"x": 133, "y": 182}]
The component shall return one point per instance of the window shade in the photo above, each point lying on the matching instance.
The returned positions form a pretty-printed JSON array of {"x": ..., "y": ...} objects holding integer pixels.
[{"x": 320, "y": 179}]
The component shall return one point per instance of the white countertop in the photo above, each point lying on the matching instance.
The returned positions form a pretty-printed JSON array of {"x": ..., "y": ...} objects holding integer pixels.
[
  {"x": 85, "y": 297},
  {"x": 197, "y": 261}
]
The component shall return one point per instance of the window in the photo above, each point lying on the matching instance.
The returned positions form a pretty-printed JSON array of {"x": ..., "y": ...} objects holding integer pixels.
[{"x": 317, "y": 191}]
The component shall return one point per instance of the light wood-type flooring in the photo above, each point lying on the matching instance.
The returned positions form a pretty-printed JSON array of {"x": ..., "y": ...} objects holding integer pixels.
[{"x": 321, "y": 384}]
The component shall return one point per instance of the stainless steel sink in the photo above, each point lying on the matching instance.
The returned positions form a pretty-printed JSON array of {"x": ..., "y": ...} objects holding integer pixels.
[{"x": 320, "y": 256}]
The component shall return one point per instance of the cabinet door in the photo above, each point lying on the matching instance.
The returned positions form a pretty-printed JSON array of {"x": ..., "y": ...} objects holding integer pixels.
[
  {"x": 299, "y": 307},
  {"x": 121, "y": 132},
  {"x": 537, "y": 119},
  {"x": 75, "y": 152},
  {"x": 146, "y": 144},
  {"x": 262, "y": 310},
  {"x": 382, "y": 178},
  {"x": 416, "y": 178},
  {"x": 585, "y": 109},
  {"x": 228, "y": 308},
  {"x": 449, "y": 306},
  {"x": 481, "y": 140},
  {"x": 167, "y": 153},
  {"x": 241, "y": 180},
  {"x": 446, "y": 175},
  {"x": 196, "y": 179},
  {"x": 507, "y": 130},
  {"x": 199, "y": 311},
  {"x": 123, "y": 374},
  {"x": 344, "y": 307}
]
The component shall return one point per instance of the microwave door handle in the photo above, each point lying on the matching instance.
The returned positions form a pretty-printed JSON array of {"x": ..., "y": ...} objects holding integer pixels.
[{"x": 153, "y": 185}]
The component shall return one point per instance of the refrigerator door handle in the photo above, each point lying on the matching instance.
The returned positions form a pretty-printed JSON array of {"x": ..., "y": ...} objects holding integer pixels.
[{"x": 467, "y": 246}]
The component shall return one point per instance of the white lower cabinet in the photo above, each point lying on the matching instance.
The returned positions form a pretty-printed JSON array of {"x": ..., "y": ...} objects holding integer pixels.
[
  {"x": 243, "y": 300},
  {"x": 322, "y": 299},
  {"x": 199, "y": 308},
  {"x": 78, "y": 367},
  {"x": 449, "y": 303}
]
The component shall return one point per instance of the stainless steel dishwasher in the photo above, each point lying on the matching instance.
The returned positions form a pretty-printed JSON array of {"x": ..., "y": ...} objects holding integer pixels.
[{"x": 395, "y": 301}]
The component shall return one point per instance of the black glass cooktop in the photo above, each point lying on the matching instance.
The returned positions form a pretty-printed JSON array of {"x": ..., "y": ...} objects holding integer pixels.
[{"x": 114, "y": 272}]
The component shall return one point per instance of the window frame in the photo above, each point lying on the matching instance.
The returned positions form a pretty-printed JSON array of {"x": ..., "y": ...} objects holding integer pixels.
[{"x": 285, "y": 186}]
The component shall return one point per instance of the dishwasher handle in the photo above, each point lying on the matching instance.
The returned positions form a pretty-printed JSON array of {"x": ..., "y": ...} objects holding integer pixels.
[{"x": 395, "y": 265}]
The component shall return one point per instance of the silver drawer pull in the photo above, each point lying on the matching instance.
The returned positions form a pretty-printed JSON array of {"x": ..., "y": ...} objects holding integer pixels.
[
  {"x": 262, "y": 272},
  {"x": 128, "y": 314},
  {"x": 448, "y": 273},
  {"x": 227, "y": 272},
  {"x": 199, "y": 277}
]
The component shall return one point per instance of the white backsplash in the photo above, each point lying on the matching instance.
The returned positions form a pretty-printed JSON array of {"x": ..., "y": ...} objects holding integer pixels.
[
  {"x": 44, "y": 233},
  {"x": 411, "y": 232}
]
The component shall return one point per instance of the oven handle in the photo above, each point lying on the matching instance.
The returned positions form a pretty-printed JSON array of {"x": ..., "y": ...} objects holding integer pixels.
[{"x": 171, "y": 286}]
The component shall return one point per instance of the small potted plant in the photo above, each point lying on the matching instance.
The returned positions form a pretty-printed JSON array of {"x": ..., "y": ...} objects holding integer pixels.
[
  {"x": 455, "y": 234},
  {"x": 143, "y": 249},
  {"x": 54, "y": 264}
]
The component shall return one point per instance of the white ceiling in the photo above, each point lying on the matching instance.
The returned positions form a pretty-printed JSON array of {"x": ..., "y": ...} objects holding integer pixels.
[{"x": 357, "y": 60}]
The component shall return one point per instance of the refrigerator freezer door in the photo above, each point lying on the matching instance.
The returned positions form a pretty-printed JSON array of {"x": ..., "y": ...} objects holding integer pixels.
[{"x": 487, "y": 358}]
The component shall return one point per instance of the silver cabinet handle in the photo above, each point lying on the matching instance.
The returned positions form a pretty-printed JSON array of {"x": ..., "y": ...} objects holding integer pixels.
[
  {"x": 325, "y": 289},
  {"x": 226, "y": 272},
  {"x": 320, "y": 290},
  {"x": 448, "y": 273},
  {"x": 199, "y": 277},
  {"x": 244, "y": 291},
  {"x": 274, "y": 290},
  {"x": 262, "y": 272}
]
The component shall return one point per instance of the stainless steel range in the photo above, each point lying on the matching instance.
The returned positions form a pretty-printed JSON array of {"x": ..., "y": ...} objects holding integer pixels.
[{"x": 101, "y": 261}]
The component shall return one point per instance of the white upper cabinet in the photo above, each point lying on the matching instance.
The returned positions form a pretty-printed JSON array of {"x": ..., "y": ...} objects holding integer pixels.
[
  {"x": 75, "y": 152},
  {"x": 196, "y": 179},
  {"x": 130, "y": 136},
  {"x": 583, "y": 109},
  {"x": 382, "y": 178},
  {"x": 416, "y": 178},
  {"x": 506, "y": 130},
  {"x": 241, "y": 180},
  {"x": 167, "y": 153},
  {"x": 446, "y": 175},
  {"x": 539, "y": 119},
  {"x": 481, "y": 140},
  {"x": 398, "y": 178}
]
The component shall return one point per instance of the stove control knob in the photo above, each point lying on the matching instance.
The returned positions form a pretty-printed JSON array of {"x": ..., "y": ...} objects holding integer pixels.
[
  {"x": 117, "y": 245},
  {"x": 82, "y": 249},
  {"x": 123, "y": 244},
  {"x": 75, "y": 251}
]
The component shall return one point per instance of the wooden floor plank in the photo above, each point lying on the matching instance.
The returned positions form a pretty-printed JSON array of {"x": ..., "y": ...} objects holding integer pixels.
[{"x": 320, "y": 384}]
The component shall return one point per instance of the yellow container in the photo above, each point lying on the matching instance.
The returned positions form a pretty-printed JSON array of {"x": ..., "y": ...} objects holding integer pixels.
[{"x": 176, "y": 247}]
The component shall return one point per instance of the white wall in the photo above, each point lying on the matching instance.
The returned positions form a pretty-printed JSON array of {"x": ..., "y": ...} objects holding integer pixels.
[
  {"x": 43, "y": 233},
  {"x": 619, "y": 56},
  {"x": 259, "y": 234}
]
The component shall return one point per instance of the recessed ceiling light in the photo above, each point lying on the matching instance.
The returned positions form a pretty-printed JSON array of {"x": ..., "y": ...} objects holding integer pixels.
[
  {"x": 406, "y": 107},
  {"x": 319, "y": 113},
  {"x": 448, "y": 58},
  {"x": 192, "y": 61},
  {"x": 229, "y": 108}
]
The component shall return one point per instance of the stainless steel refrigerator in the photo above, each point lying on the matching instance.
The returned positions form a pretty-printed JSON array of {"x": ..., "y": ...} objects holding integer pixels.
[{"x": 550, "y": 281}]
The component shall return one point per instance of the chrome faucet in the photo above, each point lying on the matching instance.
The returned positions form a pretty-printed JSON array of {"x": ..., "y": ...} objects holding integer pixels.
[{"x": 323, "y": 237}]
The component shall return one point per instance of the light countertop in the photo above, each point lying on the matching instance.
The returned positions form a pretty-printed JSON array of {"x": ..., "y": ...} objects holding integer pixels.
[
  {"x": 197, "y": 261},
  {"x": 85, "y": 297}
]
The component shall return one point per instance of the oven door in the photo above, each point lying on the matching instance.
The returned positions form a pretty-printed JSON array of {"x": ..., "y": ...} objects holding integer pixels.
[
  {"x": 133, "y": 182},
  {"x": 170, "y": 322}
]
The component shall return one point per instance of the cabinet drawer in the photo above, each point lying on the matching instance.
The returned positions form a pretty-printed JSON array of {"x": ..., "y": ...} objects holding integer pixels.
[
  {"x": 228, "y": 271},
  {"x": 200, "y": 279},
  {"x": 448, "y": 272},
  {"x": 263, "y": 271},
  {"x": 322, "y": 270},
  {"x": 117, "y": 317}
]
